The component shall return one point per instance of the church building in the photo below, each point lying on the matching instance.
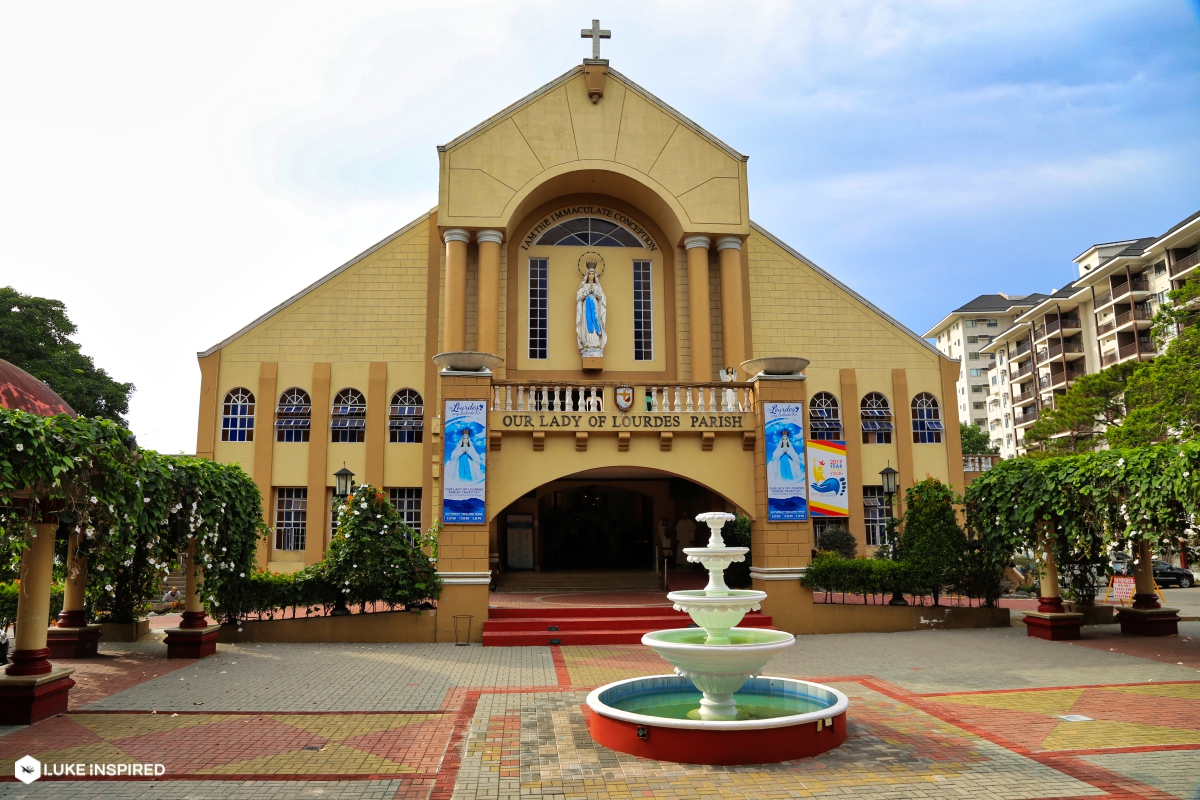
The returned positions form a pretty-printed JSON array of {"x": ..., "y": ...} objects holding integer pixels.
[{"x": 585, "y": 339}]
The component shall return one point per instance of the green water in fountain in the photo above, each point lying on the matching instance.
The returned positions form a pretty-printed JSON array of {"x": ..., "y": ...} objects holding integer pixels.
[
  {"x": 736, "y": 636},
  {"x": 686, "y": 705}
]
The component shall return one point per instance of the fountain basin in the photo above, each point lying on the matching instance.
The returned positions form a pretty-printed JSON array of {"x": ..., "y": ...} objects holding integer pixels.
[
  {"x": 788, "y": 719},
  {"x": 717, "y": 613}
]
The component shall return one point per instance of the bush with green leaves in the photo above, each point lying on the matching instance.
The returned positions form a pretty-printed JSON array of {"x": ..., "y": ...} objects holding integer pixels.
[
  {"x": 736, "y": 533},
  {"x": 931, "y": 541},
  {"x": 836, "y": 539},
  {"x": 8, "y": 602},
  {"x": 374, "y": 557}
]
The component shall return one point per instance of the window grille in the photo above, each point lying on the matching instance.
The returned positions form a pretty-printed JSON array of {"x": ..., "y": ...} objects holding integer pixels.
[
  {"x": 348, "y": 421},
  {"x": 406, "y": 423},
  {"x": 643, "y": 338},
  {"x": 291, "y": 515},
  {"x": 408, "y": 502},
  {"x": 876, "y": 512},
  {"x": 876, "y": 419},
  {"x": 293, "y": 416},
  {"x": 538, "y": 307},
  {"x": 824, "y": 417},
  {"x": 237, "y": 416},
  {"x": 589, "y": 232},
  {"x": 926, "y": 419}
]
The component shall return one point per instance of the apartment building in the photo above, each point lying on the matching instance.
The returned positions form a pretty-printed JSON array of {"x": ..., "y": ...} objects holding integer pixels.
[
  {"x": 964, "y": 334},
  {"x": 1101, "y": 318}
]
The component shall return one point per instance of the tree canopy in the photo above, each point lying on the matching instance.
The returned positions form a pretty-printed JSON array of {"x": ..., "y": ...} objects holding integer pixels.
[
  {"x": 975, "y": 440},
  {"x": 35, "y": 336},
  {"x": 1073, "y": 426}
]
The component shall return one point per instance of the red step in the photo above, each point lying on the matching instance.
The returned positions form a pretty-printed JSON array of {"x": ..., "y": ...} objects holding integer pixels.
[{"x": 588, "y": 625}]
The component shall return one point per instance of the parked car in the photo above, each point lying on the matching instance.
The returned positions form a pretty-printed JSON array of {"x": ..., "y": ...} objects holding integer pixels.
[{"x": 1167, "y": 575}]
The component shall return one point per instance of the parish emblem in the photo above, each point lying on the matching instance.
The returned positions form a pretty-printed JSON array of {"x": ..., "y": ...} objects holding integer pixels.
[{"x": 624, "y": 397}]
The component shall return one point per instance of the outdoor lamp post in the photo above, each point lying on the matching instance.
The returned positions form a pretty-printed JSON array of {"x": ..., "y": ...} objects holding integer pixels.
[
  {"x": 343, "y": 485},
  {"x": 890, "y": 480},
  {"x": 343, "y": 482}
]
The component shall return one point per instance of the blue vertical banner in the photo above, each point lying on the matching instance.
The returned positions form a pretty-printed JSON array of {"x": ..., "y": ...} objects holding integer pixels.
[
  {"x": 784, "y": 434},
  {"x": 464, "y": 475}
]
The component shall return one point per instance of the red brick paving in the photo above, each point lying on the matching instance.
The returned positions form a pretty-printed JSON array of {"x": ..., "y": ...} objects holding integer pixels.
[
  {"x": 419, "y": 745},
  {"x": 52, "y": 734},
  {"x": 206, "y": 746},
  {"x": 109, "y": 673},
  {"x": 1167, "y": 649}
]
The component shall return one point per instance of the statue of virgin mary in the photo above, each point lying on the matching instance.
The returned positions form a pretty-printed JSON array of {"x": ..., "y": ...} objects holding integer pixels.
[{"x": 590, "y": 315}]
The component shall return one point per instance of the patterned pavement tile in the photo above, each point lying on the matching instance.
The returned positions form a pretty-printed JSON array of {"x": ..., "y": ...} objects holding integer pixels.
[
  {"x": 334, "y": 759},
  {"x": 206, "y": 790},
  {"x": 1176, "y": 772}
]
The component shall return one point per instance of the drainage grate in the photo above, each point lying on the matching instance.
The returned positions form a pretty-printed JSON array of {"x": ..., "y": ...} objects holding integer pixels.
[
  {"x": 314, "y": 748},
  {"x": 552, "y": 628},
  {"x": 1076, "y": 718},
  {"x": 556, "y": 641}
]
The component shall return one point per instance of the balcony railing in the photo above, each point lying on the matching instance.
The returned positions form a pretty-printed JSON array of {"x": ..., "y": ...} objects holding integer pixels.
[
  {"x": 1103, "y": 299},
  {"x": 730, "y": 398},
  {"x": 979, "y": 463},
  {"x": 1126, "y": 317},
  {"x": 1184, "y": 264},
  {"x": 1105, "y": 327},
  {"x": 1023, "y": 397},
  {"x": 1025, "y": 370},
  {"x": 1058, "y": 348},
  {"x": 1039, "y": 332},
  {"x": 1029, "y": 416},
  {"x": 1109, "y": 358},
  {"x": 1143, "y": 347},
  {"x": 1055, "y": 325},
  {"x": 1135, "y": 285},
  {"x": 1021, "y": 349}
]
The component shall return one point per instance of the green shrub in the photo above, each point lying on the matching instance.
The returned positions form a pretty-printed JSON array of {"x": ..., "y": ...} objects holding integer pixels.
[
  {"x": 8, "y": 602},
  {"x": 838, "y": 540},
  {"x": 737, "y": 534}
]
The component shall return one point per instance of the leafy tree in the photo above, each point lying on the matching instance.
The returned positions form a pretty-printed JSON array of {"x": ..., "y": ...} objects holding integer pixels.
[
  {"x": 1092, "y": 400},
  {"x": 838, "y": 540},
  {"x": 1163, "y": 396},
  {"x": 34, "y": 335},
  {"x": 1179, "y": 311},
  {"x": 975, "y": 440},
  {"x": 931, "y": 540}
]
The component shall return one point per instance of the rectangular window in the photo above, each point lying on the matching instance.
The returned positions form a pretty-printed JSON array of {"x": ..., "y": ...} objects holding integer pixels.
[
  {"x": 643, "y": 335},
  {"x": 979, "y": 388},
  {"x": 408, "y": 502},
  {"x": 972, "y": 340},
  {"x": 991, "y": 323},
  {"x": 978, "y": 405},
  {"x": 291, "y": 514},
  {"x": 973, "y": 356},
  {"x": 1160, "y": 268},
  {"x": 977, "y": 373},
  {"x": 970, "y": 323},
  {"x": 876, "y": 512},
  {"x": 538, "y": 276}
]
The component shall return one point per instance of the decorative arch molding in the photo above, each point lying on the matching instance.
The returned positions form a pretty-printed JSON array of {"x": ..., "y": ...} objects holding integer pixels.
[{"x": 537, "y": 472}]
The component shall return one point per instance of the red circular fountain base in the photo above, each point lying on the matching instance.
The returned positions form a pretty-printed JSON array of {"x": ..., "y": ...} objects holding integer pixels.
[{"x": 724, "y": 747}]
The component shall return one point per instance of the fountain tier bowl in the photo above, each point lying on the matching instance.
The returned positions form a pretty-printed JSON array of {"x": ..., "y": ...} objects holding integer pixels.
[{"x": 788, "y": 719}]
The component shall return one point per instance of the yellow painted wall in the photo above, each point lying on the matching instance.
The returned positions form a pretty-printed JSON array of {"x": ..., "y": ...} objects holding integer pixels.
[{"x": 488, "y": 176}]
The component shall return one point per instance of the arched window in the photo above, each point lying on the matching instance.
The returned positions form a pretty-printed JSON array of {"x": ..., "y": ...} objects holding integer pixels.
[
  {"x": 237, "y": 416},
  {"x": 926, "y": 419},
  {"x": 876, "y": 419},
  {"x": 589, "y": 232},
  {"x": 824, "y": 417},
  {"x": 293, "y": 416},
  {"x": 407, "y": 419},
  {"x": 349, "y": 417}
]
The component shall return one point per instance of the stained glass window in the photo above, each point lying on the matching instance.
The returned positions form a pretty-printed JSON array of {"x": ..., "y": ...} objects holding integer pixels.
[{"x": 589, "y": 232}]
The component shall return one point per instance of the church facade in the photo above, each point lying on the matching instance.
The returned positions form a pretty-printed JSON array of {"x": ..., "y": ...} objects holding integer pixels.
[{"x": 592, "y": 284}]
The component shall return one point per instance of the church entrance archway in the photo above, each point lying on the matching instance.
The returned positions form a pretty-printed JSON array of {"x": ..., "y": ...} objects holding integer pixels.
[{"x": 612, "y": 520}]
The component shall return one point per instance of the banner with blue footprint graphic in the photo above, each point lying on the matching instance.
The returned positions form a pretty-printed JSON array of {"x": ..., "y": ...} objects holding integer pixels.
[
  {"x": 827, "y": 493},
  {"x": 784, "y": 434}
]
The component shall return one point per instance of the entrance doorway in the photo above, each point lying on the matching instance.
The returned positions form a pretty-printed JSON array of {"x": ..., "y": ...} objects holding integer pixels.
[{"x": 597, "y": 528}]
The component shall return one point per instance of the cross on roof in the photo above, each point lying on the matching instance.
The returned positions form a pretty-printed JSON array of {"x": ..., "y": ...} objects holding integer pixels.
[{"x": 595, "y": 34}]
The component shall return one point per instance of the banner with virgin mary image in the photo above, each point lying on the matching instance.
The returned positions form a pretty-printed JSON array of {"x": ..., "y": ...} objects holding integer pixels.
[
  {"x": 464, "y": 476},
  {"x": 784, "y": 433}
]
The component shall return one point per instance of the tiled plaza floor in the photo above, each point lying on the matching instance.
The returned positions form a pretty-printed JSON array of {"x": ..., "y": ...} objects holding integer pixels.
[{"x": 934, "y": 714}]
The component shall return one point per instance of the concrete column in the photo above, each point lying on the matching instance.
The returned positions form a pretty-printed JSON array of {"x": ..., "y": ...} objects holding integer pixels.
[
  {"x": 454, "y": 336},
  {"x": 193, "y": 606},
  {"x": 698, "y": 305},
  {"x": 1145, "y": 596},
  {"x": 1049, "y": 598},
  {"x": 733, "y": 325},
  {"x": 74, "y": 588},
  {"x": 489, "y": 290},
  {"x": 30, "y": 655}
]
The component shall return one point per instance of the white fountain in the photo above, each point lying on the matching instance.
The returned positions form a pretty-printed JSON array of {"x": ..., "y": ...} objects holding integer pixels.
[{"x": 738, "y": 714}]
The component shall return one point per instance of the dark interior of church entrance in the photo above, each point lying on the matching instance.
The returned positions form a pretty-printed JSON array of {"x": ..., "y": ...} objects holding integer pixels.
[{"x": 596, "y": 527}]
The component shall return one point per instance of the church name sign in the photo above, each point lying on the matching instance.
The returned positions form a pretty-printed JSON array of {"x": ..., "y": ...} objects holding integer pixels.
[
  {"x": 620, "y": 422},
  {"x": 618, "y": 217}
]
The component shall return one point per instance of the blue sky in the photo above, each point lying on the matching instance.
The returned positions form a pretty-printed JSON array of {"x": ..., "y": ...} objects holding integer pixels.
[{"x": 172, "y": 172}]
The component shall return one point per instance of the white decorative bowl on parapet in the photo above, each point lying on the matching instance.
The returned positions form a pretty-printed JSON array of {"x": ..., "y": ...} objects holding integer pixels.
[
  {"x": 467, "y": 361},
  {"x": 775, "y": 365}
]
